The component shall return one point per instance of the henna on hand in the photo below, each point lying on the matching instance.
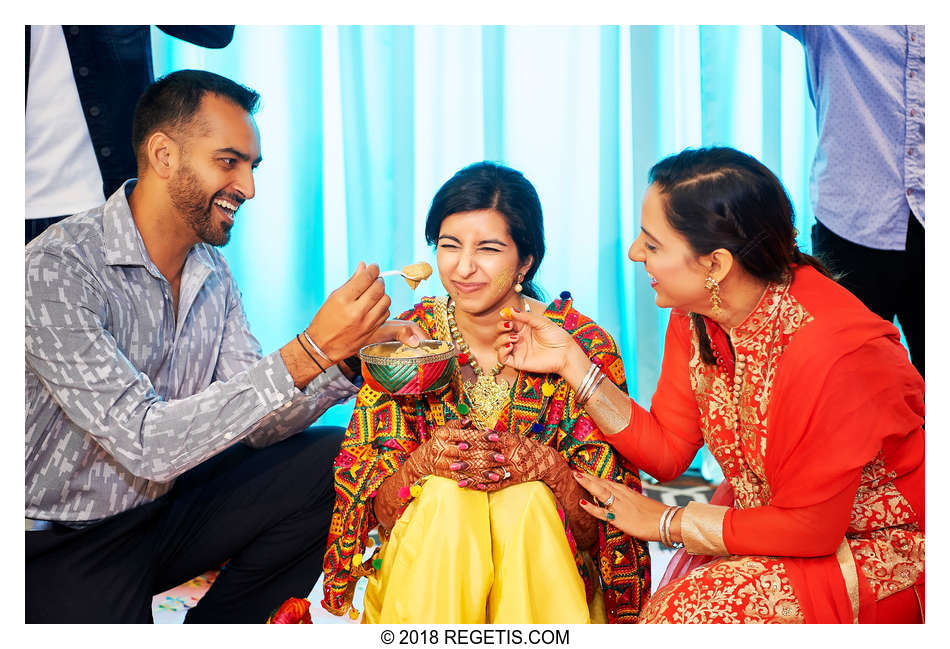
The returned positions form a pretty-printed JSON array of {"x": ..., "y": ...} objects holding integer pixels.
[
  {"x": 528, "y": 460},
  {"x": 448, "y": 453},
  {"x": 387, "y": 503},
  {"x": 569, "y": 494}
]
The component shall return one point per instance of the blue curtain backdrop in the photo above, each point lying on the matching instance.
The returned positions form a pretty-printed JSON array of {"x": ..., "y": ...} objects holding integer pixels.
[{"x": 361, "y": 125}]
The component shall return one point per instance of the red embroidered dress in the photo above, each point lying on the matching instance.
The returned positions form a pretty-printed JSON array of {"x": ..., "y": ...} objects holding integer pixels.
[
  {"x": 815, "y": 416},
  {"x": 384, "y": 430}
]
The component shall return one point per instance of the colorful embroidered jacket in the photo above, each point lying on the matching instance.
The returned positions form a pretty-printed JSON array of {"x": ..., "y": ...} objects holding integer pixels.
[{"x": 384, "y": 430}]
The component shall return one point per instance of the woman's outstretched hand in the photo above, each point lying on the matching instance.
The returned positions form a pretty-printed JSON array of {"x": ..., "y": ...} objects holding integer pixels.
[
  {"x": 533, "y": 343},
  {"x": 632, "y": 512}
]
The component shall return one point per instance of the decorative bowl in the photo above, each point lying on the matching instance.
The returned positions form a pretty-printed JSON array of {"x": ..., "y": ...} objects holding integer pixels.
[{"x": 428, "y": 371}]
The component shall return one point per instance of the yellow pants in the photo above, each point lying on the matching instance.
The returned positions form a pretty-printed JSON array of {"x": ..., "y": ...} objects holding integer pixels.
[{"x": 464, "y": 556}]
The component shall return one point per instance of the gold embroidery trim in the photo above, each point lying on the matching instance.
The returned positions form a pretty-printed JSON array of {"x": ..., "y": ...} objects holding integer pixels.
[
  {"x": 701, "y": 528},
  {"x": 849, "y": 570},
  {"x": 440, "y": 315}
]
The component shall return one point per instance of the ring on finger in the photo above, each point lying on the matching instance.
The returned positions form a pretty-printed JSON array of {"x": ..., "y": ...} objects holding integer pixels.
[
  {"x": 506, "y": 475},
  {"x": 609, "y": 501}
]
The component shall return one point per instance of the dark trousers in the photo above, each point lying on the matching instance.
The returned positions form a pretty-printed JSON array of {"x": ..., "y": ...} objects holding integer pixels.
[
  {"x": 889, "y": 282},
  {"x": 35, "y": 226},
  {"x": 264, "y": 511}
]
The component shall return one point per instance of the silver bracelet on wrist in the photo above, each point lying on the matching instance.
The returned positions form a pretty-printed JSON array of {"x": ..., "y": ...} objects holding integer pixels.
[
  {"x": 315, "y": 348},
  {"x": 593, "y": 388},
  {"x": 589, "y": 385},
  {"x": 585, "y": 384},
  {"x": 666, "y": 520},
  {"x": 595, "y": 382}
]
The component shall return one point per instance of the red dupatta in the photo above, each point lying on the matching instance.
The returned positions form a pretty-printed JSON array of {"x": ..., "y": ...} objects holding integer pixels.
[{"x": 892, "y": 393}]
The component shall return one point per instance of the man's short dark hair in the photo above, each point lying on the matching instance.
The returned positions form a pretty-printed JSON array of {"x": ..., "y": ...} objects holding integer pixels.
[{"x": 172, "y": 101}]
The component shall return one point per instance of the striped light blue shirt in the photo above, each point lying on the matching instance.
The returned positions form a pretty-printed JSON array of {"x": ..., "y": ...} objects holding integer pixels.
[
  {"x": 867, "y": 84},
  {"x": 122, "y": 396}
]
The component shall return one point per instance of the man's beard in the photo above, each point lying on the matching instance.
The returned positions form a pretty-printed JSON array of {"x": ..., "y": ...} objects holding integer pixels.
[{"x": 188, "y": 198}]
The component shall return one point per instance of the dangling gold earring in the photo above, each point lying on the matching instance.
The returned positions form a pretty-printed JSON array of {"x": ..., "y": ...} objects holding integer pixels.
[
  {"x": 713, "y": 287},
  {"x": 518, "y": 286}
]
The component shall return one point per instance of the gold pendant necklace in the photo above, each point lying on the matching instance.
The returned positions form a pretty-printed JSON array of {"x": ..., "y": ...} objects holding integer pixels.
[{"x": 487, "y": 396}]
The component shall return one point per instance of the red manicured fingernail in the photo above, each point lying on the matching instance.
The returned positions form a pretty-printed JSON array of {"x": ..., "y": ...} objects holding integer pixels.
[
  {"x": 493, "y": 437},
  {"x": 463, "y": 483},
  {"x": 499, "y": 457},
  {"x": 515, "y": 310},
  {"x": 507, "y": 325},
  {"x": 584, "y": 502},
  {"x": 455, "y": 466},
  {"x": 507, "y": 345},
  {"x": 512, "y": 336},
  {"x": 494, "y": 477},
  {"x": 463, "y": 446}
]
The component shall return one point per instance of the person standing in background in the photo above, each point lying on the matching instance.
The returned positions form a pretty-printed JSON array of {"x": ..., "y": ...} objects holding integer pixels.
[
  {"x": 82, "y": 83},
  {"x": 867, "y": 181}
]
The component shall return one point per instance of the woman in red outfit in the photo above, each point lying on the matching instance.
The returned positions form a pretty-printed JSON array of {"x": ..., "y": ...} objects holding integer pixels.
[{"x": 806, "y": 399}]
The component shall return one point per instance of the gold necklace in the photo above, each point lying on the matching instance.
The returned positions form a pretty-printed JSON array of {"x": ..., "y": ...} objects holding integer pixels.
[{"x": 486, "y": 395}]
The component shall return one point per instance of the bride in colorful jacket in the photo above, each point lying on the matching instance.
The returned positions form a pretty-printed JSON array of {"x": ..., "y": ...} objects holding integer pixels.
[
  {"x": 472, "y": 485},
  {"x": 805, "y": 398}
]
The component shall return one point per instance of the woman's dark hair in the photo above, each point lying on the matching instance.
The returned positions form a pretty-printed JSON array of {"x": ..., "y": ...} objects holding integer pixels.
[
  {"x": 172, "y": 101},
  {"x": 718, "y": 197},
  {"x": 490, "y": 186}
]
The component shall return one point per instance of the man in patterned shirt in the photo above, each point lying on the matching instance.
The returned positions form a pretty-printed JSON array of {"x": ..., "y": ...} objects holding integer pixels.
[{"x": 142, "y": 374}]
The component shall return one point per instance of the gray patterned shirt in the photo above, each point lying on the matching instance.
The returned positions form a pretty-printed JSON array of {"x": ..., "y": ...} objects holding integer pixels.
[{"x": 120, "y": 397}]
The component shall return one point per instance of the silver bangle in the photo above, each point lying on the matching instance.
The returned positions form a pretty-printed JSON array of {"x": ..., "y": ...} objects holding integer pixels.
[
  {"x": 593, "y": 388},
  {"x": 663, "y": 517},
  {"x": 315, "y": 348},
  {"x": 666, "y": 521},
  {"x": 587, "y": 390},
  {"x": 579, "y": 396}
]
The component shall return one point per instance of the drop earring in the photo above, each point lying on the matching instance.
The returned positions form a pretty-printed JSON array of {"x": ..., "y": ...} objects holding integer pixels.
[
  {"x": 518, "y": 288},
  {"x": 713, "y": 287}
]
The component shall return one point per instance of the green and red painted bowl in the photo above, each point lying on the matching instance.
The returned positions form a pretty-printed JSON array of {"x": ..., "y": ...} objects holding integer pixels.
[{"x": 426, "y": 372}]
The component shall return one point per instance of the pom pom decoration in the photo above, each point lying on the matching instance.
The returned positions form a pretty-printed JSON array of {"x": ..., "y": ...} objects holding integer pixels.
[
  {"x": 547, "y": 389},
  {"x": 404, "y": 493},
  {"x": 415, "y": 490},
  {"x": 565, "y": 295}
]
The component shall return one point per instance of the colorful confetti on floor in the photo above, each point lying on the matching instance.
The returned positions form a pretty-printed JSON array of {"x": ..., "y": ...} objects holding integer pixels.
[{"x": 170, "y": 607}]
